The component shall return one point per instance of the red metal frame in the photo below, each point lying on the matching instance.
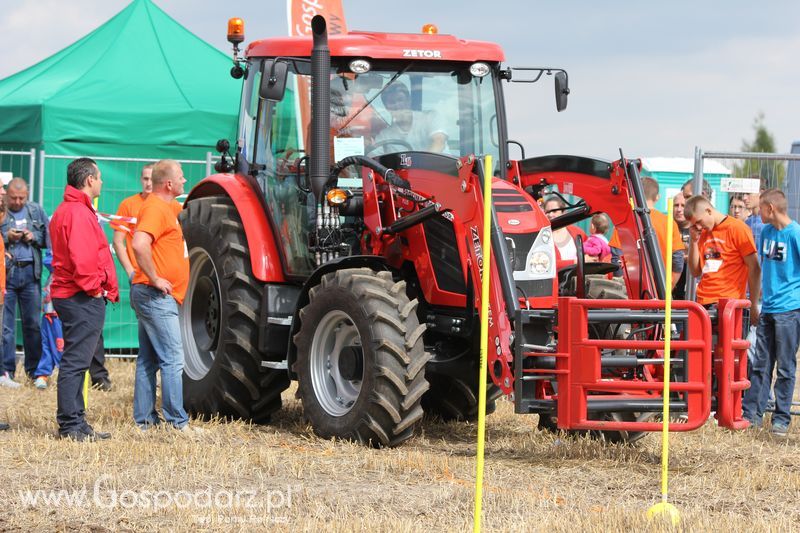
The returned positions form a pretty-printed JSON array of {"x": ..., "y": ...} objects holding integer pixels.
[
  {"x": 264, "y": 257},
  {"x": 579, "y": 376},
  {"x": 730, "y": 363}
]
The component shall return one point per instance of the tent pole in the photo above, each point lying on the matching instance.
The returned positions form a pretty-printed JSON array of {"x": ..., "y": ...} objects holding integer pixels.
[
  {"x": 32, "y": 174},
  {"x": 41, "y": 178}
]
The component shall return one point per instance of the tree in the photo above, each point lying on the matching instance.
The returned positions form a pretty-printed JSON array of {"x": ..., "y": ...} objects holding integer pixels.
[{"x": 771, "y": 173}]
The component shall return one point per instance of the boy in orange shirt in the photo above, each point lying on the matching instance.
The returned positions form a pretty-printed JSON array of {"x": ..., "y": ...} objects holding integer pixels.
[
  {"x": 723, "y": 255},
  {"x": 157, "y": 291}
]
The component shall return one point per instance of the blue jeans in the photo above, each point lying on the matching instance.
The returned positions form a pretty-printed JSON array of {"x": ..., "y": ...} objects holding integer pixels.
[
  {"x": 23, "y": 288},
  {"x": 160, "y": 348},
  {"x": 778, "y": 338}
]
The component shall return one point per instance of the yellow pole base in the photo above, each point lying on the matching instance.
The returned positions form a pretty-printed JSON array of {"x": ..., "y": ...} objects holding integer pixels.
[{"x": 664, "y": 512}]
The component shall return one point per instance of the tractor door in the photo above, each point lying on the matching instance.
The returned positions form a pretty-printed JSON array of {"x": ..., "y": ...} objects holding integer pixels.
[{"x": 278, "y": 146}]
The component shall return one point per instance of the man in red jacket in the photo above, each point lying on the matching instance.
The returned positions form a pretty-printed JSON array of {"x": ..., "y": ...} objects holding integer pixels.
[{"x": 83, "y": 279}]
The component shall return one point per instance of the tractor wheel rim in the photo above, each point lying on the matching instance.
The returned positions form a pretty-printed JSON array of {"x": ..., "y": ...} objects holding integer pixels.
[
  {"x": 200, "y": 320},
  {"x": 335, "y": 393}
]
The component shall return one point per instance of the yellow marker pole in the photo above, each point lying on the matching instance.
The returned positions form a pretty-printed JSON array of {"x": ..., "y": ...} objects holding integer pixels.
[
  {"x": 664, "y": 509},
  {"x": 86, "y": 390},
  {"x": 487, "y": 262}
]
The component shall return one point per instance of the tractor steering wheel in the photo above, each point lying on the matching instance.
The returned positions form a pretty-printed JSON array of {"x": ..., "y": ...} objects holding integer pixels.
[{"x": 388, "y": 142}]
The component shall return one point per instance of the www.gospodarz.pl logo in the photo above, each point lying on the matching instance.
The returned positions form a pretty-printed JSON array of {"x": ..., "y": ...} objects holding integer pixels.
[{"x": 104, "y": 496}]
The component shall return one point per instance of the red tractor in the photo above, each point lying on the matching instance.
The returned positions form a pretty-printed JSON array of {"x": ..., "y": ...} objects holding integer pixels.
[{"x": 339, "y": 246}]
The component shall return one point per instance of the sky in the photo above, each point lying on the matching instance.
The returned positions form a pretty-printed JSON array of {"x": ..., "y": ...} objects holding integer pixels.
[{"x": 652, "y": 78}]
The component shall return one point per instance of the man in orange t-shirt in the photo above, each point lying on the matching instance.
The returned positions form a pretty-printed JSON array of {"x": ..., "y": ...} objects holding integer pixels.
[
  {"x": 157, "y": 291},
  {"x": 723, "y": 255},
  {"x": 123, "y": 231}
]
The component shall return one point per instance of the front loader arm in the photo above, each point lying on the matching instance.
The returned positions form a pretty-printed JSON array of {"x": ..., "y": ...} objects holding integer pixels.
[{"x": 455, "y": 185}]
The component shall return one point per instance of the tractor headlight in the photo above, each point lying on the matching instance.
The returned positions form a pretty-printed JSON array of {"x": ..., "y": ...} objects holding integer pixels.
[
  {"x": 540, "y": 260},
  {"x": 539, "y": 263}
]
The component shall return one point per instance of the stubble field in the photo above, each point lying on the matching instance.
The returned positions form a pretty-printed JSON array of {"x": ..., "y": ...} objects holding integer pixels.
[{"x": 237, "y": 476}]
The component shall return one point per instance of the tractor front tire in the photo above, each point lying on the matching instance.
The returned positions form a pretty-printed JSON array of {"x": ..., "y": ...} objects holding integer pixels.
[
  {"x": 455, "y": 398},
  {"x": 219, "y": 319},
  {"x": 360, "y": 358}
]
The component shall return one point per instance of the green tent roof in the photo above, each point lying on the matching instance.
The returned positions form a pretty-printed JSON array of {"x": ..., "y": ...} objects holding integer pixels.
[{"x": 139, "y": 79}]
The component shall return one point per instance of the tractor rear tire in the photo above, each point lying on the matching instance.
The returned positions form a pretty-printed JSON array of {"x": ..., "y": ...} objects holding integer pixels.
[
  {"x": 455, "y": 398},
  {"x": 219, "y": 319},
  {"x": 360, "y": 358}
]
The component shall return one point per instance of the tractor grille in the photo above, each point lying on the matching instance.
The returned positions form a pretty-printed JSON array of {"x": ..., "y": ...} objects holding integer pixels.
[
  {"x": 509, "y": 201},
  {"x": 442, "y": 249}
]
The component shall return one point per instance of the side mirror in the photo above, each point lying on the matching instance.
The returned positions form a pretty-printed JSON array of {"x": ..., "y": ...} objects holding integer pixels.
[
  {"x": 273, "y": 80},
  {"x": 562, "y": 90}
]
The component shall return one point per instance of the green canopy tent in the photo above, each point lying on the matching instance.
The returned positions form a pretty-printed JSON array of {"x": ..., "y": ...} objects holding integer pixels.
[{"x": 141, "y": 86}]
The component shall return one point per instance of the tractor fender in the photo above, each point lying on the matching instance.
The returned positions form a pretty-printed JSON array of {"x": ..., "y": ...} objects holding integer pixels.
[
  {"x": 264, "y": 255},
  {"x": 374, "y": 262}
]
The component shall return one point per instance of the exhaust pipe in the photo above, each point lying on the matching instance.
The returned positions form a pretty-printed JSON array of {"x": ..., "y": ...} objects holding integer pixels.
[{"x": 320, "y": 107}]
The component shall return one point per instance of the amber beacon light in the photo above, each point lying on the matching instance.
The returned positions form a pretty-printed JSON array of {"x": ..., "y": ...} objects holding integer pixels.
[
  {"x": 235, "y": 30},
  {"x": 430, "y": 29}
]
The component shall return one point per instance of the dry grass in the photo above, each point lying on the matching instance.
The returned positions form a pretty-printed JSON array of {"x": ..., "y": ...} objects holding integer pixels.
[{"x": 534, "y": 481}]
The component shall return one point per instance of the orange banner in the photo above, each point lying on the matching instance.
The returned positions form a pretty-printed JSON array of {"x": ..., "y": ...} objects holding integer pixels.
[{"x": 302, "y": 11}]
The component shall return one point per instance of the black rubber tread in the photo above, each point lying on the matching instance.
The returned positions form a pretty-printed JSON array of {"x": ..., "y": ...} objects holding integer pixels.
[
  {"x": 455, "y": 398},
  {"x": 388, "y": 407},
  {"x": 236, "y": 386}
]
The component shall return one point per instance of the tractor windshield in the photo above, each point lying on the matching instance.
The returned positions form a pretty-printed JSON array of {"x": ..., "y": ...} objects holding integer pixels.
[
  {"x": 421, "y": 106},
  {"x": 395, "y": 107}
]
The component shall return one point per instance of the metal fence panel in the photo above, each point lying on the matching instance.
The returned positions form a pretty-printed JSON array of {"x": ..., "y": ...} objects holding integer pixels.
[{"x": 22, "y": 164}]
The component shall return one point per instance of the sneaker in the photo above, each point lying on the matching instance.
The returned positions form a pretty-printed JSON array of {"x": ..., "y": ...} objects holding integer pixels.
[
  {"x": 754, "y": 424},
  {"x": 4, "y": 426},
  {"x": 779, "y": 431},
  {"x": 40, "y": 382},
  {"x": 6, "y": 381},
  {"x": 191, "y": 430}
]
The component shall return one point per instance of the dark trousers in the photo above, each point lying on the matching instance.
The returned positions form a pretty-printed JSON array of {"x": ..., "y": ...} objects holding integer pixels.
[
  {"x": 82, "y": 319},
  {"x": 22, "y": 289},
  {"x": 97, "y": 368}
]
